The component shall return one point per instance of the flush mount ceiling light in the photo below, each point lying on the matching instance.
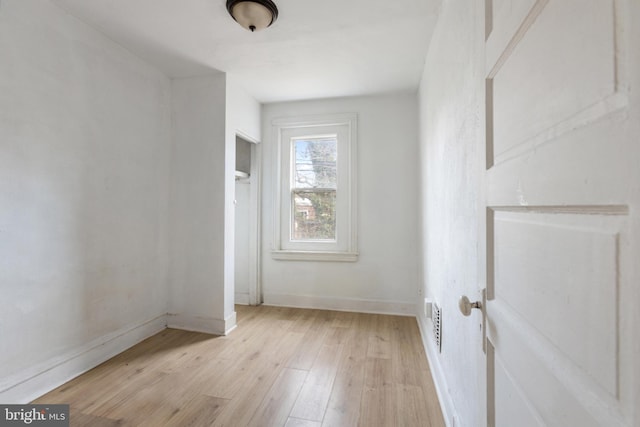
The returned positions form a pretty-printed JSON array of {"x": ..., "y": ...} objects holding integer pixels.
[{"x": 253, "y": 14}]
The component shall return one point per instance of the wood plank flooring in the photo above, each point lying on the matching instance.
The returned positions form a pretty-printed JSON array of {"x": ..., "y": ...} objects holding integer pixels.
[{"x": 280, "y": 367}]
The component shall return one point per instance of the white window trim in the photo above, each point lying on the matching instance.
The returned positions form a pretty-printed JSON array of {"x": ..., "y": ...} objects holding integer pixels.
[{"x": 347, "y": 237}]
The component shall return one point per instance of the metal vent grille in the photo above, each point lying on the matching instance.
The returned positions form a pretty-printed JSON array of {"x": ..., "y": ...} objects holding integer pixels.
[{"x": 437, "y": 326}]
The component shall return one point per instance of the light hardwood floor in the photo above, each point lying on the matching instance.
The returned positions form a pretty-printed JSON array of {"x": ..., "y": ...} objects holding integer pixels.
[{"x": 280, "y": 367}]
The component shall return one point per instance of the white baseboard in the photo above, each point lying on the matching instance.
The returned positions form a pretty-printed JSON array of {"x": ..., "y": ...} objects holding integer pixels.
[
  {"x": 242, "y": 299},
  {"x": 230, "y": 323},
  {"x": 33, "y": 382},
  {"x": 446, "y": 403},
  {"x": 207, "y": 325},
  {"x": 341, "y": 304}
]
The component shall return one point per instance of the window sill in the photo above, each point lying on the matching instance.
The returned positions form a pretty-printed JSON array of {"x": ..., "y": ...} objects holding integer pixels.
[{"x": 315, "y": 256}]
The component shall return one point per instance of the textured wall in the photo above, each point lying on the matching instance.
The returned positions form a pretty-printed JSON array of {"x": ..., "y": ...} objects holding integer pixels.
[
  {"x": 387, "y": 269},
  {"x": 450, "y": 132},
  {"x": 197, "y": 210},
  {"x": 84, "y": 173}
]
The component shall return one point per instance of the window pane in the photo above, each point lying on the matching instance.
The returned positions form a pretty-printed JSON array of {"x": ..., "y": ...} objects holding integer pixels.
[
  {"x": 315, "y": 162},
  {"x": 314, "y": 215}
]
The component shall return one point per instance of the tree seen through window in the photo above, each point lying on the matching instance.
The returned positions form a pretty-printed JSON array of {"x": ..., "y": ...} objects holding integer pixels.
[{"x": 314, "y": 188}]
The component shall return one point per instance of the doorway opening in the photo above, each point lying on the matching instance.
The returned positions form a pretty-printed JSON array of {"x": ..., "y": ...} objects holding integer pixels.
[{"x": 247, "y": 222}]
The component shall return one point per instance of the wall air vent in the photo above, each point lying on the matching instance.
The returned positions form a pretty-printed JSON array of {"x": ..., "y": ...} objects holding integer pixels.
[{"x": 436, "y": 317}]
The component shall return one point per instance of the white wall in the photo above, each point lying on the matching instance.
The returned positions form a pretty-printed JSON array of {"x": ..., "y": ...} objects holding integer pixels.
[
  {"x": 450, "y": 129},
  {"x": 196, "y": 300},
  {"x": 243, "y": 113},
  {"x": 385, "y": 277},
  {"x": 245, "y": 264},
  {"x": 634, "y": 129},
  {"x": 242, "y": 118},
  {"x": 84, "y": 161},
  {"x": 242, "y": 245},
  {"x": 96, "y": 181},
  {"x": 208, "y": 112}
]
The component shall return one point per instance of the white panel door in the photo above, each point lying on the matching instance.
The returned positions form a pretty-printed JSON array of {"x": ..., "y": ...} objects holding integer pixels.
[{"x": 561, "y": 215}]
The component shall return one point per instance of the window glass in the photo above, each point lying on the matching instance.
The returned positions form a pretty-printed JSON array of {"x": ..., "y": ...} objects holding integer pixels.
[{"x": 314, "y": 188}]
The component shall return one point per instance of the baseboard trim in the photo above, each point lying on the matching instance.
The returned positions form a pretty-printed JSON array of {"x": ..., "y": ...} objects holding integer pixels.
[
  {"x": 446, "y": 402},
  {"x": 242, "y": 299},
  {"x": 341, "y": 304},
  {"x": 206, "y": 325},
  {"x": 230, "y": 323},
  {"x": 25, "y": 386}
]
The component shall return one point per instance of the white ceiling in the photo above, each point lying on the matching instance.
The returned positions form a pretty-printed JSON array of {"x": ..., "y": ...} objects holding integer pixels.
[{"x": 316, "y": 48}]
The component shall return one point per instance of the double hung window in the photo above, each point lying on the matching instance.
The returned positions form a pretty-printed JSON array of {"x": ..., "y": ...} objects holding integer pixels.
[{"x": 316, "y": 209}]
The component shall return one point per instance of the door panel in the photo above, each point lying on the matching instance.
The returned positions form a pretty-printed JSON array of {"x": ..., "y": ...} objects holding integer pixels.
[
  {"x": 545, "y": 381},
  {"x": 560, "y": 273},
  {"x": 504, "y": 18},
  {"x": 559, "y": 264},
  {"x": 514, "y": 405},
  {"x": 549, "y": 64},
  {"x": 569, "y": 170}
]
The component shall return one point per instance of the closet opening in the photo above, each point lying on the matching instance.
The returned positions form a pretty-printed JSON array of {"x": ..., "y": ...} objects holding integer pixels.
[{"x": 247, "y": 222}]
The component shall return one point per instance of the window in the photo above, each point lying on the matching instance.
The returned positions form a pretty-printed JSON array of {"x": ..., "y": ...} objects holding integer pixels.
[
  {"x": 316, "y": 189},
  {"x": 313, "y": 188}
]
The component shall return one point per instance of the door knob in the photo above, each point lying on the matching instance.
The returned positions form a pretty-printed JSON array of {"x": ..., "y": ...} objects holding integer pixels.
[{"x": 466, "y": 306}]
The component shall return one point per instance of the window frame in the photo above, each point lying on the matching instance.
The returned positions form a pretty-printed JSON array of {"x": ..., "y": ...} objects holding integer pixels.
[{"x": 285, "y": 131}]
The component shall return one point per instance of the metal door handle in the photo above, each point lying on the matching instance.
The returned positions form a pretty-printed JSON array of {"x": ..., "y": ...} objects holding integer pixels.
[{"x": 466, "y": 306}]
